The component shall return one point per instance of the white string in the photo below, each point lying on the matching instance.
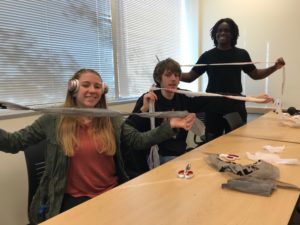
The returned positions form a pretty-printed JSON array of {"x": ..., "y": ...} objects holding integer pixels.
[
  {"x": 278, "y": 102},
  {"x": 92, "y": 112},
  {"x": 283, "y": 81},
  {"x": 194, "y": 94},
  {"x": 153, "y": 158},
  {"x": 225, "y": 64},
  {"x": 246, "y": 63}
]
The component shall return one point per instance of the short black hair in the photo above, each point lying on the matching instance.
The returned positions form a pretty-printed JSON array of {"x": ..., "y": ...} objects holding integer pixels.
[
  {"x": 167, "y": 64},
  {"x": 234, "y": 30}
]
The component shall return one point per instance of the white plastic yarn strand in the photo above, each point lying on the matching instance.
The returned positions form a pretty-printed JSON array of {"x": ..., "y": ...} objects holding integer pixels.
[
  {"x": 153, "y": 158},
  {"x": 196, "y": 94},
  {"x": 283, "y": 81},
  {"x": 245, "y": 98},
  {"x": 93, "y": 112},
  {"x": 190, "y": 93},
  {"x": 225, "y": 64},
  {"x": 244, "y": 63},
  {"x": 152, "y": 110}
]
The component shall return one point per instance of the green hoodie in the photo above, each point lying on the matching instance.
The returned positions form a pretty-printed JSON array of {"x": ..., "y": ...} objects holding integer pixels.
[{"x": 47, "y": 200}]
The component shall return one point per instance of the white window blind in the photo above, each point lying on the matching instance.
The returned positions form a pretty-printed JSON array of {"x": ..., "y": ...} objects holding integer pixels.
[
  {"x": 147, "y": 29},
  {"x": 43, "y": 43}
]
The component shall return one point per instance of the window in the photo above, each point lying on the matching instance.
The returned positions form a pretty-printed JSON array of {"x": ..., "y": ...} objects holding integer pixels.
[
  {"x": 147, "y": 30},
  {"x": 43, "y": 43}
]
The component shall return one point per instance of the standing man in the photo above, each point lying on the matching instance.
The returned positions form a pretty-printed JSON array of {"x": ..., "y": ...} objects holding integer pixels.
[{"x": 226, "y": 79}]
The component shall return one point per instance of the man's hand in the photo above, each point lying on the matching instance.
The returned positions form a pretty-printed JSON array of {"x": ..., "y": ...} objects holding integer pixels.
[{"x": 150, "y": 96}]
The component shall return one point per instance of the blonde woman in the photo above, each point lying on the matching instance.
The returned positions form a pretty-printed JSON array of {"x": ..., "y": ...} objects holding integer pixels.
[{"x": 83, "y": 153}]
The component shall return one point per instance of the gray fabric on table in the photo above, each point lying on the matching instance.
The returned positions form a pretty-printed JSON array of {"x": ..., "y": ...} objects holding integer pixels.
[
  {"x": 258, "y": 178},
  {"x": 260, "y": 169},
  {"x": 251, "y": 185}
]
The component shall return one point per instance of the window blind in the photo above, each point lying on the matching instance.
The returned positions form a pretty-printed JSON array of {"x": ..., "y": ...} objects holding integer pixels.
[
  {"x": 43, "y": 43},
  {"x": 147, "y": 30}
]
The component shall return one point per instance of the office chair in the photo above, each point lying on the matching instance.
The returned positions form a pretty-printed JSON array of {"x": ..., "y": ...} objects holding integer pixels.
[
  {"x": 35, "y": 162},
  {"x": 234, "y": 120}
]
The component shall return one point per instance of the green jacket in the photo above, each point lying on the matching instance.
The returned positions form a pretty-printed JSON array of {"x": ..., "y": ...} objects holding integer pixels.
[{"x": 47, "y": 200}]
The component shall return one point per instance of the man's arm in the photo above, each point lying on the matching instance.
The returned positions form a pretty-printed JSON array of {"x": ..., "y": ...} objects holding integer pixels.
[
  {"x": 189, "y": 77},
  {"x": 258, "y": 74}
]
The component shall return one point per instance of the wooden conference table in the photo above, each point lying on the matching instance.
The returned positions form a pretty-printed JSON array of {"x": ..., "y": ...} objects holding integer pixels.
[
  {"x": 159, "y": 197},
  {"x": 268, "y": 127}
]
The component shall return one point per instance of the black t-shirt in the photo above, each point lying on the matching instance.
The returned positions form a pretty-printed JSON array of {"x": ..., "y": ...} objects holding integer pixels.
[
  {"x": 180, "y": 102},
  {"x": 224, "y": 79}
]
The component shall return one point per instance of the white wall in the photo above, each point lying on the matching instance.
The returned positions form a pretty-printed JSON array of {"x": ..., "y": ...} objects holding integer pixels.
[
  {"x": 13, "y": 174},
  {"x": 268, "y": 30}
]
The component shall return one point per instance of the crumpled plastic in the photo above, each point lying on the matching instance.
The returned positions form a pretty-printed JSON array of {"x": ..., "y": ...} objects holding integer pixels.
[
  {"x": 271, "y": 158},
  {"x": 273, "y": 149},
  {"x": 198, "y": 127},
  {"x": 271, "y": 155},
  {"x": 290, "y": 121}
]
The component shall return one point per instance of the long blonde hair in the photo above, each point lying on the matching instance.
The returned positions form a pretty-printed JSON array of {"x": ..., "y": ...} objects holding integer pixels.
[{"x": 102, "y": 128}]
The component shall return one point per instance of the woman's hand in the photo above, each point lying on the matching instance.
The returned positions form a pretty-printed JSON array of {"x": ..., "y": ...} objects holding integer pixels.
[
  {"x": 279, "y": 63},
  {"x": 267, "y": 98},
  {"x": 184, "y": 122},
  {"x": 150, "y": 96}
]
